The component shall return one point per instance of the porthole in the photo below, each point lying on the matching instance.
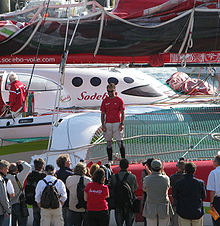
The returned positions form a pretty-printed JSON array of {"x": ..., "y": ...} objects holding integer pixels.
[
  {"x": 113, "y": 80},
  {"x": 95, "y": 81},
  {"x": 128, "y": 80},
  {"x": 77, "y": 81}
]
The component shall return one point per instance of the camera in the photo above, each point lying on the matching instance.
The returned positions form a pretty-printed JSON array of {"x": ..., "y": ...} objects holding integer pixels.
[
  {"x": 19, "y": 167},
  {"x": 144, "y": 162},
  {"x": 181, "y": 159}
]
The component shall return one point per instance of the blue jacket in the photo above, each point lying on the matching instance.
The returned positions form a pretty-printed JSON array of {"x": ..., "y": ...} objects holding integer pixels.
[{"x": 189, "y": 193}]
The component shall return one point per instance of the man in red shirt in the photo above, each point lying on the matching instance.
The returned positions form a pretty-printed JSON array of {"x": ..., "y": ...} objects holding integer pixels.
[
  {"x": 112, "y": 118},
  {"x": 17, "y": 94}
]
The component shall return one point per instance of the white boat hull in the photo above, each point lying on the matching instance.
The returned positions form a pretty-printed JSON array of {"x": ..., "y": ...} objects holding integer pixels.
[{"x": 26, "y": 127}]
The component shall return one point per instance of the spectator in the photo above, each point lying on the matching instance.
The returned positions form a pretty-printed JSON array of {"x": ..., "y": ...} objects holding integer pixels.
[
  {"x": 77, "y": 216},
  {"x": 64, "y": 163},
  {"x": 189, "y": 193},
  {"x": 93, "y": 168},
  {"x": 51, "y": 215},
  {"x": 173, "y": 179},
  {"x": 9, "y": 188},
  {"x": 213, "y": 186},
  {"x": 17, "y": 94},
  {"x": 108, "y": 172},
  {"x": 5, "y": 209},
  {"x": 95, "y": 194},
  {"x": 33, "y": 178},
  {"x": 146, "y": 172},
  {"x": 18, "y": 173},
  {"x": 157, "y": 206},
  {"x": 112, "y": 118},
  {"x": 124, "y": 214}
]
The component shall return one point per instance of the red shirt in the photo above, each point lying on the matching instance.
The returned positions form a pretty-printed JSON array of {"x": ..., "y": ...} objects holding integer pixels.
[
  {"x": 112, "y": 108},
  {"x": 17, "y": 94},
  {"x": 97, "y": 193}
]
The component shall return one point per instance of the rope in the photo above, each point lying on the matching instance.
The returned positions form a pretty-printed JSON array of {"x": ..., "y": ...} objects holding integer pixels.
[
  {"x": 100, "y": 34},
  {"x": 29, "y": 39},
  {"x": 35, "y": 60},
  {"x": 188, "y": 32}
]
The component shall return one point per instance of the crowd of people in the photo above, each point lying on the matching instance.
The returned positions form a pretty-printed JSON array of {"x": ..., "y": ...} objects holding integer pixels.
[{"x": 86, "y": 194}]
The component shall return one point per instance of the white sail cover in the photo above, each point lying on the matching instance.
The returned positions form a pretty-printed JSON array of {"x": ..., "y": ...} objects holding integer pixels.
[
  {"x": 75, "y": 131},
  {"x": 72, "y": 136}
]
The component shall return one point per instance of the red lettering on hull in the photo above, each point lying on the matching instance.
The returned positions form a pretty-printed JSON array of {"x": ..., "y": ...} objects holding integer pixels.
[{"x": 95, "y": 96}]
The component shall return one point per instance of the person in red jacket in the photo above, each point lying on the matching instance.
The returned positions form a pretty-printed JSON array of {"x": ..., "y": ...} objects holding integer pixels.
[
  {"x": 17, "y": 94},
  {"x": 112, "y": 118}
]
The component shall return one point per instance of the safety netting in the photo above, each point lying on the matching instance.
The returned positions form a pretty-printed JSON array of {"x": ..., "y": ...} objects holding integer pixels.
[{"x": 192, "y": 132}]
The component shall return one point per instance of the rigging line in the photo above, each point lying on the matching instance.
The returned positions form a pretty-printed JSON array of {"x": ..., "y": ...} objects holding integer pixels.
[
  {"x": 202, "y": 140},
  {"x": 151, "y": 26},
  {"x": 62, "y": 75},
  {"x": 206, "y": 136},
  {"x": 67, "y": 27},
  {"x": 38, "y": 48},
  {"x": 66, "y": 52},
  {"x": 187, "y": 31},
  {"x": 175, "y": 41},
  {"x": 100, "y": 34},
  {"x": 190, "y": 40},
  {"x": 29, "y": 39}
]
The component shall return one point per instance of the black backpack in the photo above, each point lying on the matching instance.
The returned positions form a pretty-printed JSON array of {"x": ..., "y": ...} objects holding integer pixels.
[
  {"x": 50, "y": 197},
  {"x": 123, "y": 193},
  {"x": 30, "y": 192},
  {"x": 80, "y": 194},
  {"x": 31, "y": 185}
]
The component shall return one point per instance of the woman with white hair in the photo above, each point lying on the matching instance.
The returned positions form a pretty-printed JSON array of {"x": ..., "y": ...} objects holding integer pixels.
[{"x": 17, "y": 94}]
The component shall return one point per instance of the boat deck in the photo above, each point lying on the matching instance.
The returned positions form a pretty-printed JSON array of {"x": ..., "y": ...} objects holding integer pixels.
[{"x": 192, "y": 132}]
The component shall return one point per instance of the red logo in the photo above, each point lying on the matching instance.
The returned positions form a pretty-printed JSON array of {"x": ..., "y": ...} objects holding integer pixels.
[
  {"x": 95, "y": 96},
  {"x": 65, "y": 99}
]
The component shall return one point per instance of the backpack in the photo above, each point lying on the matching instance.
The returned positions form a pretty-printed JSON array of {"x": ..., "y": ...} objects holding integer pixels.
[
  {"x": 30, "y": 191},
  {"x": 123, "y": 193},
  {"x": 80, "y": 194},
  {"x": 31, "y": 185},
  {"x": 50, "y": 196}
]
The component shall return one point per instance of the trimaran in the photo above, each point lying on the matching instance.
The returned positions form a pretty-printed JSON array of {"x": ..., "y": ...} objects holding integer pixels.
[{"x": 170, "y": 33}]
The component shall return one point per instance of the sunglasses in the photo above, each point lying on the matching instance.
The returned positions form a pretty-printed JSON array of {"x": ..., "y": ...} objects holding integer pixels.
[{"x": 111, "y": 91}]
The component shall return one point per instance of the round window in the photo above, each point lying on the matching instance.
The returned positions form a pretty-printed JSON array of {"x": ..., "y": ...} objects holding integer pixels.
[
  {"x": 95, "y": 81},
  {"x": 128, "y": 79},
  {"x": 113, "y": 80},
  {"x": 77, "y": 81}
]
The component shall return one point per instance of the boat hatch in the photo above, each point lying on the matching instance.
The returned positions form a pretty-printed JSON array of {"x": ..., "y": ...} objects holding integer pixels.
[
  {"x": 38, "y": 83},
  {"x": 27, "y": 120}
]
